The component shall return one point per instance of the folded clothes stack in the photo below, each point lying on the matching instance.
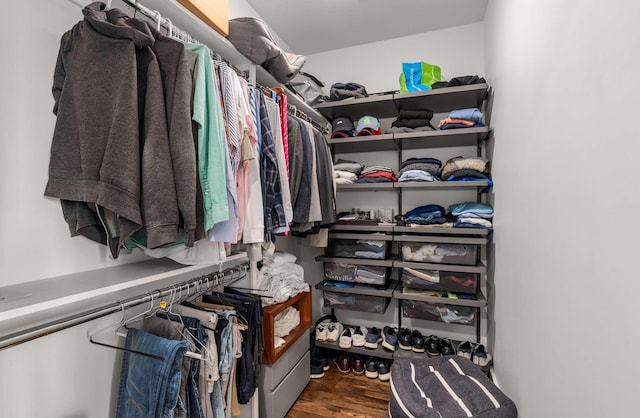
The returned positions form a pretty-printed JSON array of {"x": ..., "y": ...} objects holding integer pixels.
[
  {"x": 426, "y": 215},
  {"x": 412, "y": 121},
  {"x": 467, "y": 169},
  {"x": 346, "y": 172},
  {"x": 462, "y": 118},
  {"x": 420, "y": 169},
  {"x": 472, "y": 215},
  {"x": 376, "y": 174}
]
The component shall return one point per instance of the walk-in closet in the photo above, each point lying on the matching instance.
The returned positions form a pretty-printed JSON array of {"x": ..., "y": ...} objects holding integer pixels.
[{"x": 270, "y": 209}]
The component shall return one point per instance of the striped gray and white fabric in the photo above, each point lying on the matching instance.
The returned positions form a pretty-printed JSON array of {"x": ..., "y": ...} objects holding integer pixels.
[{"x": 445, "y": 387}]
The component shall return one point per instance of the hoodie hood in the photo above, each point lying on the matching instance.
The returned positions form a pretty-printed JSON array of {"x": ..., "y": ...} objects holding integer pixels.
[{"x": 116, "y": 24}]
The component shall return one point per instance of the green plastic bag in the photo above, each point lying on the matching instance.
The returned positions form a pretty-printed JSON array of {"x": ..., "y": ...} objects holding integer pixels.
[{"x": 418, "y": 76}]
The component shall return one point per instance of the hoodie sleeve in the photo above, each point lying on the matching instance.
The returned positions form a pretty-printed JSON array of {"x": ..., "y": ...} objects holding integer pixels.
[
  {"x": 59, "y": 73},
  {"x": 159, "y": 201}
]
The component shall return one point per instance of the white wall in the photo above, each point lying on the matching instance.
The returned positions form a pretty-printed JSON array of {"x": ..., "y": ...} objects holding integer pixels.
[
  {"x": 377, "y": 66},
  {"x": 565, "y": 168}
]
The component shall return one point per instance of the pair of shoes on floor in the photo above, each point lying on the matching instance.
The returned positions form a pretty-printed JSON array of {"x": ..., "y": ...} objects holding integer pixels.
[
  {"x": 410, "y": 340},
  {"x": 328, "y": 331},
  {"x": 352, "y": 337},
  {"x": 436, "y": 346},
  {"x": 475, "y": 352},
  {"x": 346, "y": 363},
  {"x": 378, "y": 369}
]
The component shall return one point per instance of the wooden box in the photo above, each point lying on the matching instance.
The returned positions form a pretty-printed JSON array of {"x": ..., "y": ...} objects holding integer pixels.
[{"x": 301, "y": 302}]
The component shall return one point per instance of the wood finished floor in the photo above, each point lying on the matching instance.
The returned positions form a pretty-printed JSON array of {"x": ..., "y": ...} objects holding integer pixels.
[{"x": 342, "y": 395}]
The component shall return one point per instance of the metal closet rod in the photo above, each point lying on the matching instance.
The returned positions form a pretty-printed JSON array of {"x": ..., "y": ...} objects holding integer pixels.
[
  {"x": 209, "y": 280},
  {"x": 157, "y": 17}
]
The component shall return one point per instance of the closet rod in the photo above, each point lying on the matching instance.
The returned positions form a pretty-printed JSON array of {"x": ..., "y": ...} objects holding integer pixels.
[
  {"x": 155, "y": 16},
  {"x": 209, "y": 280}
]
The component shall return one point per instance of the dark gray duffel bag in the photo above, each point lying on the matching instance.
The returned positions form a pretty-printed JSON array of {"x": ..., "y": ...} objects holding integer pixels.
[
  {"x": 252, "y": 38},
  {"x": 445, "y": 387}
]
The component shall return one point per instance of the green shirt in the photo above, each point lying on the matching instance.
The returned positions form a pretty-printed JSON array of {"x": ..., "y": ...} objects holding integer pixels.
[{"x": 207, "y": 113}]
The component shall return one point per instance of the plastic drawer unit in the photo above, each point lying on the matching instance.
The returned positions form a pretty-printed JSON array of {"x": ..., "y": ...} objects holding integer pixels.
[
  {"x": 440, "y": 250},
  {"x": 374, "y": 246},
  {"x": 440, "y": 280},
  {"x": 357, "y": 273},
  {"x": 441, "y": 312},
  {"x": 354, "y": 302}
]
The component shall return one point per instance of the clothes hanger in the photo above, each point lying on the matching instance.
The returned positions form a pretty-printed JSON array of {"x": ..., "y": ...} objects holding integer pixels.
[
  {"x": 158, "y": 18},
  {"x": 92, "y": 340}
]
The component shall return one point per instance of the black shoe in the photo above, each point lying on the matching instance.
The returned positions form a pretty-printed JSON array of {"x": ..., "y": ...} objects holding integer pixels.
[
  {"x": 432, "y": 346},
  {"x": 318, "y": 355},
  {"x": 417, "y": 341},
  {"x": 343, "y": 363},
  {"x": 357, "y": 365},
  {"x": 404, "y": 339},
  {"x": 446, "y": 347},
  {"x": 317, "y": 370},
  {"x": 384, "y": 370},
  {"x": 389, "y": 338},
  {"x": 371, "y": 368}
]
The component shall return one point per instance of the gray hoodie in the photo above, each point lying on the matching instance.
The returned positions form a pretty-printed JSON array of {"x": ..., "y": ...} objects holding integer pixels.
[{"x": 110, "y": 160}]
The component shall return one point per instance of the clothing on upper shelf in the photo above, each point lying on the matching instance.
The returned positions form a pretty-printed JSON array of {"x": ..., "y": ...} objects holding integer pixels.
[
  {"x": 189, "y": 152},
  {"x": 459, "y": 81},
  {"x": 467, "y": 169},
  {"x": 420, "y": 169},
  {"x": 472, "y": 215},
  {"x": 413, "y": 119},
  {"x": 462, "y": 118},
  {"x": 376, "y": 174},
  {"x": 425, "y": 215},
  {"x": 341, "y": 91}
]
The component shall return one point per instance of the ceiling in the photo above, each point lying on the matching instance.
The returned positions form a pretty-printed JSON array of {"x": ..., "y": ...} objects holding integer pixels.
[{"x": 312, "y": 26}]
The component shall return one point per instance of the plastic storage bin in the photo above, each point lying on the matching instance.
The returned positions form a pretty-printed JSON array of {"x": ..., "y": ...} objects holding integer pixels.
[
  {"x": 440, "y": 280},
  {"x": 448, "y": 313},
  {"x": 372, "y": 248},
  {"x": 444, "y": 253},
  {"x": 355, "y": 302},
  {"x": 356, "y": 273}
]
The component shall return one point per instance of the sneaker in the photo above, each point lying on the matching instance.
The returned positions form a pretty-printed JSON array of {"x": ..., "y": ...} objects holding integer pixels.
[
  {"x": 432, "y": 345},
  {"x": 321, "y": 327},
  {"x": 465, "y": 350},
  {"x": 404, "y": 339},
  {"x": 342, "y": 362},
  {"x": 345, "y": 338},
  {"x": 357, "y": 365},
  {"x": 334, "y": 329},
  {"x": 384, "y": 370},
  {"x": 357, "y": 335},
  {"x": 372, "y": 338},
  {"x": 417, "y": 341},
  {"x": 389, "y": 338},
  {"x": 446, "y": 347},
  {"x": 317, "y": 369},
  {"x": 480, "y": 356},
  {"x": 371, "y": 368}
]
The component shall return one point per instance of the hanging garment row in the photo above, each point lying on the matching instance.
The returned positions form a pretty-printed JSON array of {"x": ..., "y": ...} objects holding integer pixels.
[
  {"x": 197, "y": 359},
  {"x": 158, "y": 146}
]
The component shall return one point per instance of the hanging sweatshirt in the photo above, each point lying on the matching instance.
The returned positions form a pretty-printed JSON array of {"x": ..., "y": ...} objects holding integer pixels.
[
  {"x": 177, "y": 67},
  {"x": 96, "y": 152}
]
